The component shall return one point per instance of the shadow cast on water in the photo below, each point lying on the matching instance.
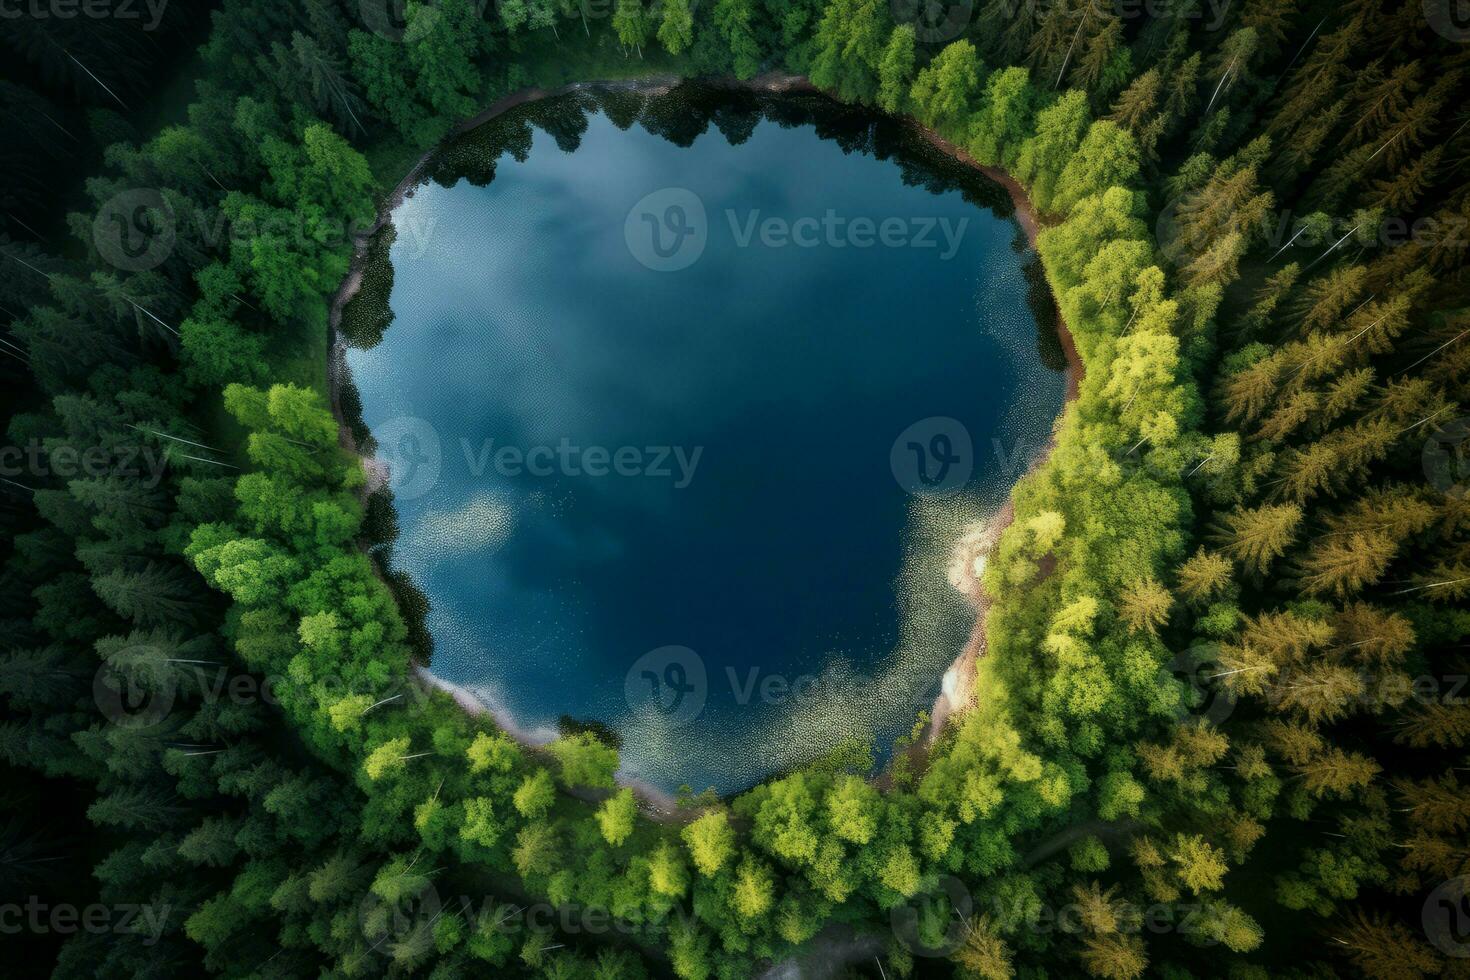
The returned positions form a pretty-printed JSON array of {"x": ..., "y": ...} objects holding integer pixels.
[{"x": 680, "y": 117}]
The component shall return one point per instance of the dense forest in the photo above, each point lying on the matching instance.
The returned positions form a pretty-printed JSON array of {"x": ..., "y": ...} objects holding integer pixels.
[{"x": 1219, "y": 720}]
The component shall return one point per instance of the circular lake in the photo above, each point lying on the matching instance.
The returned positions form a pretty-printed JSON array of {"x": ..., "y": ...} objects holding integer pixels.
[{"x": 687, "y": 400}]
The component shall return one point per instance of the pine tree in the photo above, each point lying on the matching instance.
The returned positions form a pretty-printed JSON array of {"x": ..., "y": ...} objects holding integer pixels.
[
  {"x": 1318, "y": 78},
  {"x": 1344, "y": 395},
  {"x": 1373, "y": 636},
  {"x": 1295, "y": 410},
  {"x": 984, "y": 955},
  {"x": 1382, "y": 948},
  {"x": 1287, "y": 637},
  {"x": 1247, "y": 392},
  {"x": 38, "y": 677},
  {"x": 1271, "y": 22},
  {"x": 1114, "y": 956},
  {"x": 1138, "y": 101},
  {"x": 1256, "y": 537},
  {"x": 1007, "y": 28},
  {"x": 1342, "y": 565},
  {"x": 1181, "y": 85},
  {"x": 1293, "y": 741},
  {"x": 1200, "y": 865},
  {"x": 1436, "y": 723},
  {"x": 1145, "y": 606},
  {"x": 1440, "y": 806},
  {"x": 1320, "y": 693},
  {"x": 1266, "y": 299},
  {"x": 136, "y": 807},
  {"x": 944, "y": 90},
  {"x": 1204, "y": 575},
  {"x": 157, "y": 595},
  {"x": 1054, "y": 37},
  {"x": 896, "y": 70},
  {"x": 1324, "y": 300},
  {"x": 676, "y": 30},
  {"x": 1380, "y": 98},
  {"x": 1399, "y": 193},
  {"x": 1337, "y": 772},
  {"x": 331, "y": 90},
  {"x": 1105, "y": 34},
  {"x": 632, "y": 24}
]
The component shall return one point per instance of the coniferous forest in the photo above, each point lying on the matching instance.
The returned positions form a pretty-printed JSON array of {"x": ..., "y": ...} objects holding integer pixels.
[{"x": 1222, "y": 720}]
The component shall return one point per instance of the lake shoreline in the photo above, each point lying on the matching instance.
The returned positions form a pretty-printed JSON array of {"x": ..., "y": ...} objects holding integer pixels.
[
  {"x": 958, "y": 683},
  {"x": 958, "y": 686}
]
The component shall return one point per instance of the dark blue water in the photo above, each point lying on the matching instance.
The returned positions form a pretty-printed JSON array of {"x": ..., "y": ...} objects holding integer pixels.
[{"x": 677, "y": 423}]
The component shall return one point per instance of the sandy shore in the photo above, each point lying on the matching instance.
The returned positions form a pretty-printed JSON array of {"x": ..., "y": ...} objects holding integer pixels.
[{"x": 958, "y": 685}]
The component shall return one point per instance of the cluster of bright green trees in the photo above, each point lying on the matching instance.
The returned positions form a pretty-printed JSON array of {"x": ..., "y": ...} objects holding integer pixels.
[{"x": 1237, "y": 497}]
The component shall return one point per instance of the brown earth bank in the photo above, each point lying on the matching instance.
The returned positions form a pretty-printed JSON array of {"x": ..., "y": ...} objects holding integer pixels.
[{"x": 958, "y": 687}]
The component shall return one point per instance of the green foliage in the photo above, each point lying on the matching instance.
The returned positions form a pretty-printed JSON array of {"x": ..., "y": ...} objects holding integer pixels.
[
  {"x": 896, "y": 70},
  {"x": 944, "y": 91},
  {"x": 849, "y": 45},
  {"x": 1244, "y": 503}
]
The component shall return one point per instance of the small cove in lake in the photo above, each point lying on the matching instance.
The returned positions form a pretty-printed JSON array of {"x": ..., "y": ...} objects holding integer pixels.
[{"x": 661, "y": 376}]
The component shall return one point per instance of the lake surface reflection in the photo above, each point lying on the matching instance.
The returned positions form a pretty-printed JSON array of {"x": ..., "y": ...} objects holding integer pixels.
[{"x": 686, "y": 400}]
